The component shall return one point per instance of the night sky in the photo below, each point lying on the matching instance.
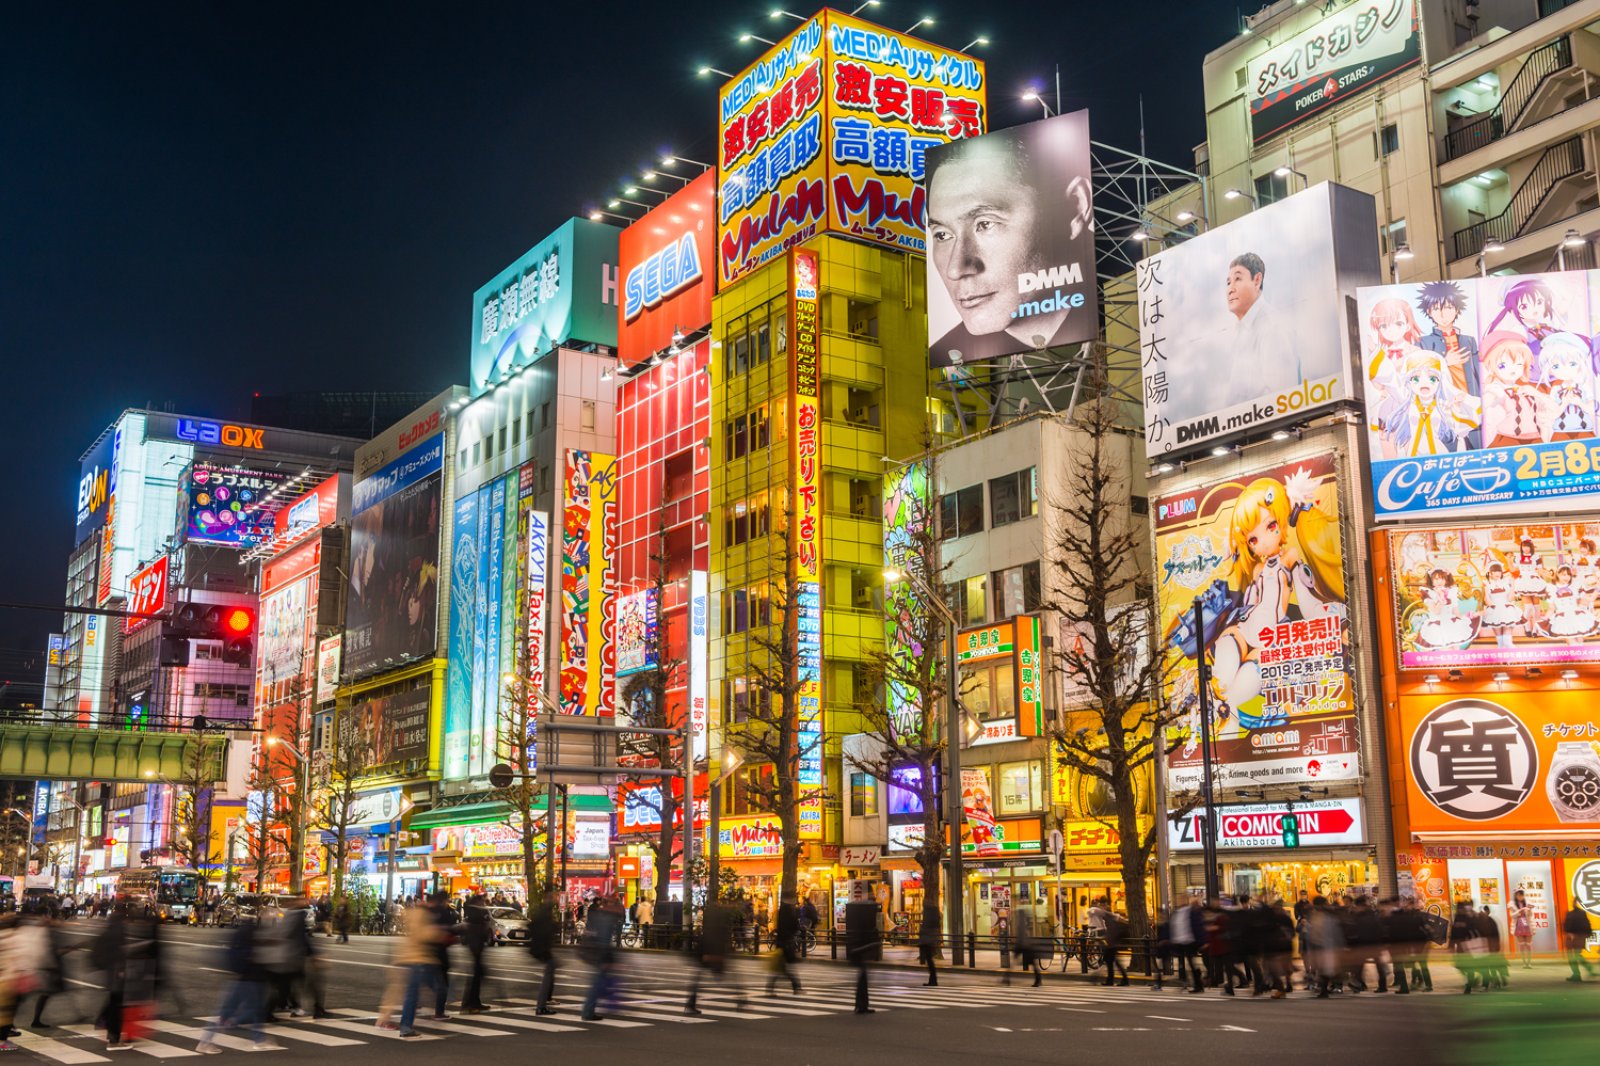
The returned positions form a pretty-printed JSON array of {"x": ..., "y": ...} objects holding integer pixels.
[{"x": 201, "y": 201}]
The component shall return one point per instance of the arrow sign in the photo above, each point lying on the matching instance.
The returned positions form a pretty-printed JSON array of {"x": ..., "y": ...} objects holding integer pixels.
[{"x": 1260, "y": 825}]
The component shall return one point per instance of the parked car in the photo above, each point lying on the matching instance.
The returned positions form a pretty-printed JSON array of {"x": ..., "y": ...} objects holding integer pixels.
[{"x": 509, "y": 924}]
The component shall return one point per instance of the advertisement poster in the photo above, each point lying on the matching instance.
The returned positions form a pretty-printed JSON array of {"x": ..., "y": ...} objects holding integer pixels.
[
  {"x": 980, "y": 833},
  {"x": 397, "y": 726},
  {"x": 699, "y": 660},
  {"x": 330, "y": 657},
  {"x": 1481, "y": 394},
  {"x": 147, "y": 593},
  {"x": 230, "y": 506},
  {"x": 1261, "y": 553},
  {"x": 1322, "y": 823},
  {"x": 907, "y": 518},
  {"x": 1352, "y": 49},
  {"x": 555, "y": 292},
  {"x": 392, "y": 611},
  {"x": 805, "y": 457},
  {"x": 1511, "y": 595},
  {"x": 463, "y": 609},
  {"x": 283, "y": 633},
  {"x": 666, "y": 260},
  {"x": 636, "y": 632},
  {"x": 538, "y": 568},
  {"x": 1010, "y": 256},
  {"x": 1505, "y": 762},
  {"x": 1245, "y": 325},
  {"x": 588, "y": 593},
  {"x": 313, "y": 510},
  {"x": 830, "y": 129}
]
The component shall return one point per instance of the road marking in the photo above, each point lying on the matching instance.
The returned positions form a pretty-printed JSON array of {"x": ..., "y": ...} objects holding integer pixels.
[
  {"x": 367, "y": 1030},
  {"x": 1167, "y": 1018},
  {"x": 423, "y": 1022},
  {"x": 149, "y": 1047},
  {"x": 196, "y": 1032},
  {"x": 1233, "y": 1029},
  {"x": 616, "y": 1023},
  {"x": 1081, "y": 1010},
  {"x": 55, "y": 1049}
]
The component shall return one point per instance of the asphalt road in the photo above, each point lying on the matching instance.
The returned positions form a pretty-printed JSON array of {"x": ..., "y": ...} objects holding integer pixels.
[{"x": 967, "y": 1018}]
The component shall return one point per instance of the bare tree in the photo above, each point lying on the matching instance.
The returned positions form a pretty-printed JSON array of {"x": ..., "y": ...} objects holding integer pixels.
[
  {"x": 193, "y": 805},
  {"x": 771, "y": 734},
  {"x": 646, "y": 695},
  {"x": 517, "y": 744},
  {"x": 1104, "y": 653},
  {"x": 265, "y": 834},
  {"x": 347, "y": 757}
]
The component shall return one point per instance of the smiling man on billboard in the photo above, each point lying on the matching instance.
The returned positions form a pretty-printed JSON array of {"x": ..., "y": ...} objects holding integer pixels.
[
  {"x": 1011, "y": 240},
  {"x": 1261, "y": 349}
]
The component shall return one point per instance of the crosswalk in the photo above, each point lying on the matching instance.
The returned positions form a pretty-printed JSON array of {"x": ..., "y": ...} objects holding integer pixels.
[{"x": 643, "y": 1002}]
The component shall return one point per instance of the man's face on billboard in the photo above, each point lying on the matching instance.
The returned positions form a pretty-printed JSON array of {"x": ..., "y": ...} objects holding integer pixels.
[
  {"x": 982, "y": 223},
  {"x": 1244, "y": 289}
]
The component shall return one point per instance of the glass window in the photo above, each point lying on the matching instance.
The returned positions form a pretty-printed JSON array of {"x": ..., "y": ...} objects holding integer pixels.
[
  {"x": 1016, "y": 591},
  {"x": 1020, "y": 787},
  {"x": 1012, "y": 498},
  {"x": 502, "y": 438},
  {"x": 988, "y": 690},
  {"x": 1270, "y": 188},
  {"x": 961, "y": 512},
  {"x": 863, "y": 795},
  {"x": 968, "y": 600},
  {"x": 1388, "y": 140}
]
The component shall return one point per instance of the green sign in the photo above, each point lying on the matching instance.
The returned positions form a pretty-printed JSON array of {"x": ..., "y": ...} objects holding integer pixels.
[{"x": 1291, "y": 830}]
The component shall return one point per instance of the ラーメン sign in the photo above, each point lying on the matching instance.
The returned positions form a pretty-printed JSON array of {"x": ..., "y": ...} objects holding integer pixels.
[{"x": 829, "y": 130}]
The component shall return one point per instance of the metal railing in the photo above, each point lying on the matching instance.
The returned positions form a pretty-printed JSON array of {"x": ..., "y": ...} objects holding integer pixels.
[
  {"x": 1542, "y": 63},
  {"x": 1559, "y": 162}
]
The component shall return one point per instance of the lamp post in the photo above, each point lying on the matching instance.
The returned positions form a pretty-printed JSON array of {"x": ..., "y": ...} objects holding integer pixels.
[
  {"x": 955, "y": 873},
  {"x": 731, "y": 761},
  {"x": 1208, "y": 837},
  {"x": 297, "y": 831}
]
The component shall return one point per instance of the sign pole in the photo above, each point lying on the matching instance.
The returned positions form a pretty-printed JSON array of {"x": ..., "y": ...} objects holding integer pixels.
[{"x": 1208, "y": 838}]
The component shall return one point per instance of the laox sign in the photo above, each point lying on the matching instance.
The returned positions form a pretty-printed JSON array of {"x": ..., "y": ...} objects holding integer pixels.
[{"x": 202, "y": 431}]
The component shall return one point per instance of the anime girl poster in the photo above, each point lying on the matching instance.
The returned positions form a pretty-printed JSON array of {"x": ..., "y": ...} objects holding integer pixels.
[
  {"x": 1536, "y": 306},
  {"x": 1262, "y": 557},
  {"x": 1502, "y": 595}
]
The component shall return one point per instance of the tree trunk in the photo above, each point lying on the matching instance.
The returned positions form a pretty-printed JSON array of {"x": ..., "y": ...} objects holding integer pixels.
[
  {"x": 1132, "y": 853},
  {"x": 930, "y": 856},
  {"x": 530, "y": 861},
  {"x": 664, "y": 842}
]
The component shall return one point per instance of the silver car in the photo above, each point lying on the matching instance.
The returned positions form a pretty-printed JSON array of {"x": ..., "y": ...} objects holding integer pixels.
[{"x": 509, "y": 924}]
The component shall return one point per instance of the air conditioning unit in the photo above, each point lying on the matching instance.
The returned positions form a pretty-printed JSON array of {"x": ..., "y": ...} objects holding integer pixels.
[
  {"x": 863, "y": 598},
  {"x": 860, "y": 504},
  {"x": 858, "y": 414}
]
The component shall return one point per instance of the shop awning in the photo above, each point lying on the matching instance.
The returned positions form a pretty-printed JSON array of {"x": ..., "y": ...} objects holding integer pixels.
[{"x": 495, "y": 812}]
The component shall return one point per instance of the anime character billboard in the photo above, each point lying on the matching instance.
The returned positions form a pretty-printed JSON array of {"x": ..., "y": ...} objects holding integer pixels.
[
  {"x": 1510, "y": 595},
  {"x": 1261, "y": 556},
  {"x": 1481, "y": 393}
]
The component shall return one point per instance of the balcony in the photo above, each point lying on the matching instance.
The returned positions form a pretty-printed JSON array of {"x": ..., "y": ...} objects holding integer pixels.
[
  {"x": 1547, "y": 195},
  {"x": 1532, "y": 85}
]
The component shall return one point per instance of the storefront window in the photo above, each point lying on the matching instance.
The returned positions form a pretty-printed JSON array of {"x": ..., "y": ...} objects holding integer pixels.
[
  {"x": 1021, "y": 786},
  {"x": 988, "y": 690}
]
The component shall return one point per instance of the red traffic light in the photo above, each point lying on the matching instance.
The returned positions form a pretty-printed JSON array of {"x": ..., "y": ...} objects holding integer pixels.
[{"x": 238, "y": 621}]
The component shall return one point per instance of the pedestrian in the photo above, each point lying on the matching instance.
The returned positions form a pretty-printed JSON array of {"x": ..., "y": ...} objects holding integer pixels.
[
  {"x": 1028, "y": 946},
  {"x": 600, "y": 929},
  {"x": 11, "y": 978},
  {"x": 644, "y": 917},
  {"x": 929, "y": 937},
  {"x": 808, "y": 925},
  {"x": 1186, "y": 926},
  {"x": 1114, "y": 929},
  {"x": 1494, "y": 959},
  {"x": 863, "y": 944},
  {"x": 243, "y": 1002},
  {"x": 1326, "y": 935},
  {"x": 109, "y": 956},
  {"x": 343, "y": 918},
  {"x": 476, "y": 933},
  {"x": 711, "y": 951},
  {"x": 1522, "y": 928},
  {"x": 43, "y": 951},
  {"x": 1575, "y": 930},
  {"x": 786, "y": 945},
  {"x": 542, "y": 930},
  {"x": 1278, "y": 948},
  {"x": 1468, "y": 945},
  {"x": 419, "y": 954}
]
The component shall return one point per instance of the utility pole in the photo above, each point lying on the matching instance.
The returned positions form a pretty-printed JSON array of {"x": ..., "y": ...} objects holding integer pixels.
[{"x": 1208, "y": 838}]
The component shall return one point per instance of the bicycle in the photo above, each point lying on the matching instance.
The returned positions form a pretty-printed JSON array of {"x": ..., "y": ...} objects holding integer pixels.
[{"x": 631, "y": 936}]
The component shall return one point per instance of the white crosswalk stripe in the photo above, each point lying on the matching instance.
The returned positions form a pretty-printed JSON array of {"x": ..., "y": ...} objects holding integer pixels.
[
  {"x": 148, "y": 1047},
  {"x": 56, "y": 1050}
]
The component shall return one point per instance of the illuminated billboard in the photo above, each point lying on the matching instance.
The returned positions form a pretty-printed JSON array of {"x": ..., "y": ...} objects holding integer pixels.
[
  {"x": 829, "y": 130},
  {"x": 147, "y": 593},
  {"x": 230, "y": 506},
  {"x": 805, "y": 459},
  {"x": 1010, "y": 261},
  {"x": 1261, "y": 554},
  {"x": 636, "y": 632},
  {"x": 396, "y": 725},
  {"x": 588, "y": 585},
  {"x": 284, "y": 637},
  {"x": 97, "y": 483},
  {"x": 330, "y": 657},
  {"x": 563, "y": 289},
  {"x": 1245, "y": 325},
  {"x": 665, "y": 262},
  {"x": 313, "y": 510},
  {"x": 393, "y": 603},
  {"x": 1481, "y": 394}
]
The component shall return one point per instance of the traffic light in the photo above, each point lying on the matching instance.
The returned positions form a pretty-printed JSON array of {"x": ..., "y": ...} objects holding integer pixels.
[
  {"x": 1291, "y": 829},
  {"x": 233, "y": 625},
  {"x": 238, "y": 629}
]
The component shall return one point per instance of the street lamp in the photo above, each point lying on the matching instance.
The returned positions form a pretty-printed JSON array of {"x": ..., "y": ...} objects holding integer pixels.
[
  {"x": 1287, "y": 171},
  {"x": 1491, "y": 245},
  {"x": 701, "y": 72},
  {"x": 743, "y": 37},
  {"x": 1402, "y": 253},
  {"x": 975, "y": 41},
  {"x": 732, "y": 759},
  {"x": 1235, "y": 194},
  {"x": 1034, "y": 97},
  {"x": 1571, "y": 239},
  {"x": 955, "y": 732}
]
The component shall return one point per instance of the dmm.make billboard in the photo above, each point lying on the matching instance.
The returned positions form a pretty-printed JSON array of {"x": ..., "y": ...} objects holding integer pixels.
[
  {"x": 1245, "y": 325},
  {"x": 1261, "y": 553},
  {"x": 1481, "y": 394},
  {"x": 665, "y": 260},
  {"x": 564, "y": 288},
  {"x": 828, "y": 131}
]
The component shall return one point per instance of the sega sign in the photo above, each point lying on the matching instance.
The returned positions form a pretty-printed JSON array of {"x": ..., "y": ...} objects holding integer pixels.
[
  {"x": 665, "y": 289},
  {"x": 204, "y": 431}
]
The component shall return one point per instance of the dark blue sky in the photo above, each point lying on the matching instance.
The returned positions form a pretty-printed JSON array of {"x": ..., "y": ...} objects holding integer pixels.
[{"x": 200, "y": 201}]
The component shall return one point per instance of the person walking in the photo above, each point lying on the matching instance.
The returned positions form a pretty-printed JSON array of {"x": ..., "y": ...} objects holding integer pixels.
[
  {"x": 12, "y": 976},
  {"x": 43, "y": 951},
  {"x": 1522, "y": 928},
  {"x": 929, "y": 936},
  {"x": 1494, "y": 960},
  {"x": 1186, "y": 926},
  {"x": 1028, "y": 946},
  {"x": 712, "y": 950},
  {"x": 419, "y": 954},
  {"x": 476, "y": 933},
  {"x": 1468, "y": 946},
  {"x": 1575, "y": 930},
  {"x": 600, "y": 930},
  {"x": 785, "y": 936},
  {"x": 863, "y": 943},
  {"x": 243, "y": 1002},
  {"x": 109, "y": 956},
  {"x": 644, "y": 917},
  {"x": 343, "y": 918},
  {"x": 543, "y": 926},
  {"x": 1113, "y": 930},
  {"x": 808, "y": 925}
]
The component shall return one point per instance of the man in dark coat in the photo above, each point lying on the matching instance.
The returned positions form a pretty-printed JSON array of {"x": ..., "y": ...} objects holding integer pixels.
[
  {"x": 863, "y": 943},
  {"x": 786, "y": 934},
  {"x": 542, "y": 926},
  {"x": 476, "y": 934},
  {"x": 712, "y": 950}
]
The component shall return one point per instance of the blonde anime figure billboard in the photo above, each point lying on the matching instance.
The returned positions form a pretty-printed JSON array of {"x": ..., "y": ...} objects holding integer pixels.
[{"x": 1261, "y": 555}]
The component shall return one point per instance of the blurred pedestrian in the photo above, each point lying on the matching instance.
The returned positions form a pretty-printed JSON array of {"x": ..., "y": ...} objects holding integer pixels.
[
  {"x": 43, "y": 950},
  {"x": 343, "y": 918},
  {"x": 542, "y": 930},
  {"x": 929, "y": 935},
  {"x": 601, "y": 926},
  {"x": 1326, "y": 935},
  {"x": 1187, "y": 926},
  {"x": 1028, "y": 946},
  {"x": 11, "y": 978},
  {"x": 476, "y": 934},
  {"x": 644, "y": 917},
  {"x": 1575, "y": 930},
  {"x": 109, "y": 957},
  {"x": 419, "y": 954},
  {"x": 712, "y": 949},
  {"x": 1114, "y": 929},
  {"x": 244, "y": 1000},
  {"x": 1468, "y": 945},
  {"x": 1494, "y": 959},
  {"x": 863, "y": 943},
  {"x": 1277, "y": 958},
  {"x": 785, "y": 936}
]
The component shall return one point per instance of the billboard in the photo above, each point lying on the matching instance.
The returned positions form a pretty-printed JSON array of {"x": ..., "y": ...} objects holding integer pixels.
[
  {"x": 538, "y": 581},
  {"x": 636, "y": 632},
  {"x": 1351, "y": 49},
  {"x": 588, "y": 585},
  {"x": 147, "y": 593},
  {"x": 564, "y": 288},
  {"x": 665, "y": 261},
  {"x": 1322, "y": 823},
  {"x": 330, "y": 656},
  {"x": 699, "y": 661},
  {"x": 1011, "y": 263},
  {"x": 1262, "y": 554},
  {"x": 907, "y": 518},
  {"x": 229, "y": 506},
  {"x": 805, "y": 459},
  {"x": 313, "y": 510},
  {"x": 1511, "y": 595},
  {"x": 1008, "y": 700},
  {"x": 464, "y": 552},
  {"x": 829, "y": 130},
  {"x": 1245, "y": 325},
  {"x": 392, "y": 612},
  {"x": 282, "y": 626},
  {"x": 396, "y": 725},
  {"x": 1480, "y": 394},
  {"x": 981, "y": 833},
  {"x": 1517, "y": 761},
  {"x": 97, "y": 483}
]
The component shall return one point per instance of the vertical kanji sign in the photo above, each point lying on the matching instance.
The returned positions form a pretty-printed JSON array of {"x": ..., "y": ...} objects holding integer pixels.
[{"x": 805, "y": 525}]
